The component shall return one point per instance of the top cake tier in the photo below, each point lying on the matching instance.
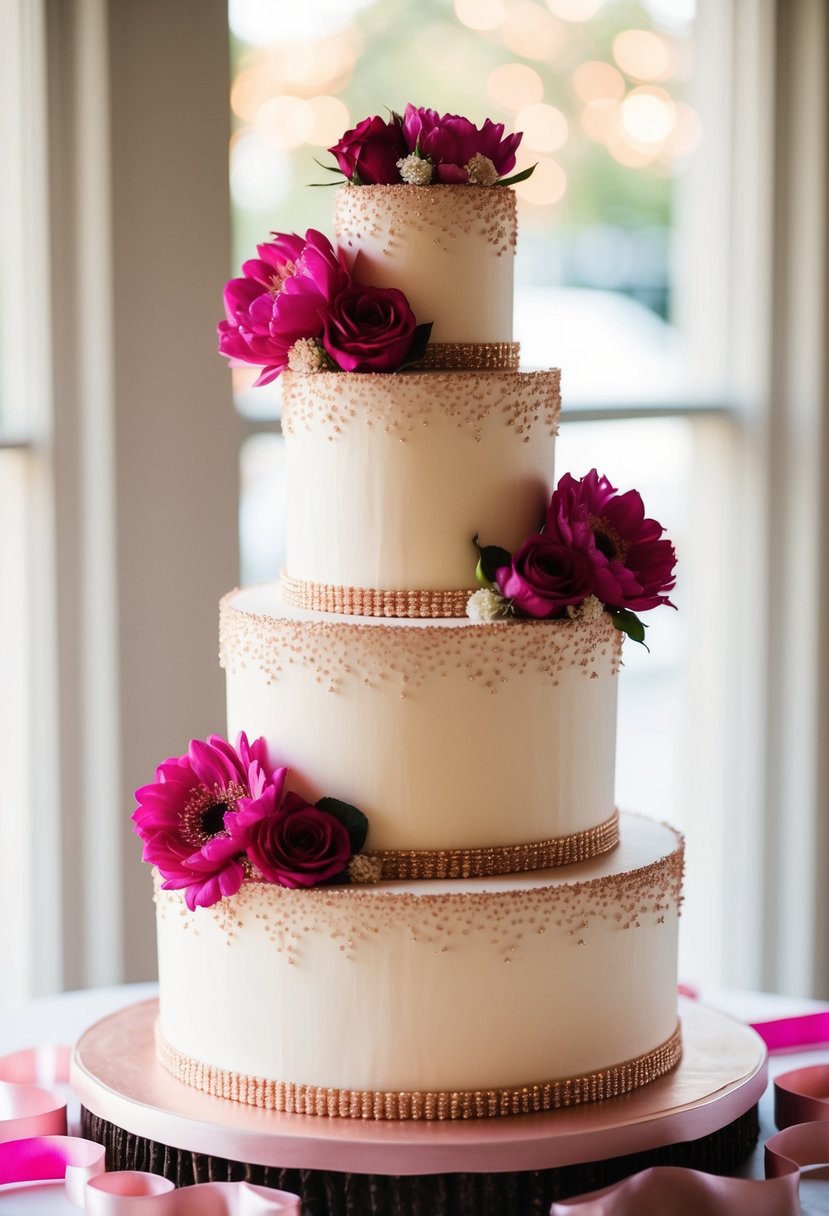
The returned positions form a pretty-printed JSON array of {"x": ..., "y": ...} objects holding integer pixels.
[{"x": 449, "y": 249}]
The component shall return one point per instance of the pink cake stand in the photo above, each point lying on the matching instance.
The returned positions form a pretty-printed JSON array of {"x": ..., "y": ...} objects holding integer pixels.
[{"x": 718, "y": 1083}]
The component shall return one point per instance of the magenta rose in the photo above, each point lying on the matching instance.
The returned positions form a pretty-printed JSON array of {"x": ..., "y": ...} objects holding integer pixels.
[
  {"x": 369, "y": 329},
  {"x": 295, "y": 845},
  {"x": 283, "y": 296},
  {"x": 634, "y": 563},
  {"x": 546, "y": 576},
  {"x": 369, "y": 153},
  {"x": 450, "y": 142}
]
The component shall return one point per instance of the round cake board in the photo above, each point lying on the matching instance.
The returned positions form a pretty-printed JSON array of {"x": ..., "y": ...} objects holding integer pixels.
[{"x": 720, "y": 1079}]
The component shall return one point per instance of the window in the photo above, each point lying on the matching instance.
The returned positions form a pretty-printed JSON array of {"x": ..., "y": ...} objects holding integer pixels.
[
  {"x": 618, "y": 105},
  {"x": 22, "y": 489}
]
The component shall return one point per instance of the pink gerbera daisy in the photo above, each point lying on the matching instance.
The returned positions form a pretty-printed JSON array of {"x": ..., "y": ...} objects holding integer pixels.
[{"x": 184, "y": 817}]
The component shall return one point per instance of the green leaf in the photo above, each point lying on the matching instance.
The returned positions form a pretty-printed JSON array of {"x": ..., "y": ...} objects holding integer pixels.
[
  {"x": 329, "y": 168},
  {"x": 490, "y": 559},
  {"x": 517, "y": 177},
  {"x": 355, "y": 179},
  {"x": 352, "y": 819},
  {"x": 628, "y": 622},
  {"x": 420, "y": 341}
]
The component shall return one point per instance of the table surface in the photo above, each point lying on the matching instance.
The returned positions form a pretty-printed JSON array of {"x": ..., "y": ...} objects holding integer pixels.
[{"x": 62, "y": 1019}]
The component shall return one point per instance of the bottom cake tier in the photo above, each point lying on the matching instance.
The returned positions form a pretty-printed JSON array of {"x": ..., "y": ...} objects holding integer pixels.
[{"x": 431, "y": 1000}]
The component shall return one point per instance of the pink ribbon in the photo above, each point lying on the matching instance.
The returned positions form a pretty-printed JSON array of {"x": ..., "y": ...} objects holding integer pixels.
[
  {"x": 34, "y": 1148},
  {"x": 801, "y": 1109}
]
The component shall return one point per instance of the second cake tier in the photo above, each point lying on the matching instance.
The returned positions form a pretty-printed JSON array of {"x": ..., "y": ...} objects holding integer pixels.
[
  {"x": 471, "y": 748},
  {"x": 388, "y": 479}
]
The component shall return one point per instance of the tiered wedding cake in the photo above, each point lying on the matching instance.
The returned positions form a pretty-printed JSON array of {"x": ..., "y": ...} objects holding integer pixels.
[{"x": 502, "y": 941}]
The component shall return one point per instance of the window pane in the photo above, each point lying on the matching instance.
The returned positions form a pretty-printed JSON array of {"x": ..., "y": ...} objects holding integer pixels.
[
  {"x": 603, "y": 93},
  {"x": 15, "y": 712}
]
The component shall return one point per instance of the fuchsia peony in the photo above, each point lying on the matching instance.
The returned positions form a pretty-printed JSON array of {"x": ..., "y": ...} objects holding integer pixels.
[
  {"x": 634, "y": 565},
  {"x": 450, "y": 142},
  {"x": 298, "y": 306},
  {"x": 595, "y": 542},
  {"x": 220, "y": 814},
  {"x": 284, "y": 296},
  {"x": 458, "y": 151}
]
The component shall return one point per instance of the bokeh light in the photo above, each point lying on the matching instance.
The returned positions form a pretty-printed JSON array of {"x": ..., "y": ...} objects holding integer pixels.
[
  {"x": 574, "y": 10},
  {"x": 546, "y": 185},
  {"x": 597, "y": 116},
  {"x": 626, "y": 150},
  {"x": 598, "y": 79},
  {"x": 251, "y": 89},
  {"x": 648, "y": 115},
  {"x": 481, "y": 14},
  {"x": 531, "y": 31},
  {"x": 514, "y": 85},
  {"x": 644, "y": 55},
  {"x": 260, "y": 175},
  {"x": 308, "y": 68},
  {"x": 545, "y": 128},
  {"x": 284, "y": 121},
  {"x": 329, "y": 120},
  {"x": 263, "y": 24},
  {"x": 686, "y": 134}
]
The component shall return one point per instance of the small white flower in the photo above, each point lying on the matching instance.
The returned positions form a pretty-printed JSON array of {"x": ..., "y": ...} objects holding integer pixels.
[
  {"x": 589, "y": 610},
  {"x": 363, "y": 868},
  {"x": 481, "y": 170},
  {"x": 306, "y": 355},
  {"x": 415, "y": 170},
  {"x": 486, "y": 605}
]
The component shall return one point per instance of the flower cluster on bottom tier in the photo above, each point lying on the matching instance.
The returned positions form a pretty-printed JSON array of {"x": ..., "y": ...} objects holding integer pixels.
[{"x": 283, "y": 998}]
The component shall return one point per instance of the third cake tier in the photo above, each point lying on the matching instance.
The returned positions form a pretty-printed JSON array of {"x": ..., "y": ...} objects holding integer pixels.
[{"x": 475, "y": 748}]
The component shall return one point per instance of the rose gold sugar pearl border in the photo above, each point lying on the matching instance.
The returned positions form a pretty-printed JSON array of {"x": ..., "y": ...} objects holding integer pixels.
[
  {"x": 296, "y": 1098},
  {"x": 499, "y": 860},
  {"x": 470, "y": 357},
  {"x": 370, "y": 601}
]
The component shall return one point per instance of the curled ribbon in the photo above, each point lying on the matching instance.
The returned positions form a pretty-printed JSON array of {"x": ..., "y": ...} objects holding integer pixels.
[
  {"x": 34, "y": 1148},
  {"x": 801, "y": 1109}
]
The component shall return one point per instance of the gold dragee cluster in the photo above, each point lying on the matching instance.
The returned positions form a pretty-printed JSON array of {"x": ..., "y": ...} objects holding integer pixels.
[
  {"x": 518, "y": 403},
  {"x": 381, "y": 212},
  {"x": 370, "y": 652},
  {"x": 502, "y": 914}
]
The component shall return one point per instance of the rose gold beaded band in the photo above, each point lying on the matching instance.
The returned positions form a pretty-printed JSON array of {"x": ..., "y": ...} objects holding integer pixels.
[
  {"x": 294, "y": 1098},
  {"x": 470, "y": 357},
  {"x": 499, "y": 859},
  {"x": 369, "y": 601}
]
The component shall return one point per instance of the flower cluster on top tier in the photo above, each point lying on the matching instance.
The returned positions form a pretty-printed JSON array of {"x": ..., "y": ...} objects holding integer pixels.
[
  {"x": 297, "y": 306},
  {"x": 595, "y": 552},
  {"x": 220, "y": 814},
  {"x": 421, "y": 147}
]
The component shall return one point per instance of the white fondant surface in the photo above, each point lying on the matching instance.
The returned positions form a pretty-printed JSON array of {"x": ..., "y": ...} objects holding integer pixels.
[
  {"x": 449, "y": 249},
  {"x": 466, "y": 984},
  {"x": 388, "y": 478},
  {"x": 446, "y": 734}
]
